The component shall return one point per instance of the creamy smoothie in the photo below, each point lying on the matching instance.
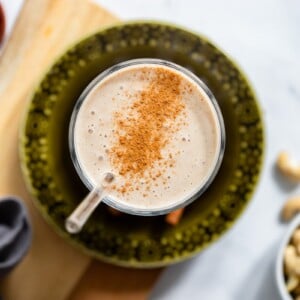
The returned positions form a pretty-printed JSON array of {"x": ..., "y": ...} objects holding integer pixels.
[{"x": 155, "y": 129}]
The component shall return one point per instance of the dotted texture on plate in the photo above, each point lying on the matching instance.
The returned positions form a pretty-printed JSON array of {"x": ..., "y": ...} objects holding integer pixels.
[{"x": 132, "y": 240}]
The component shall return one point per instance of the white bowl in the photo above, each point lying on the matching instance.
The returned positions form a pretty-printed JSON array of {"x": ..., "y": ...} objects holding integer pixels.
[{"x": 280, "y": 282}]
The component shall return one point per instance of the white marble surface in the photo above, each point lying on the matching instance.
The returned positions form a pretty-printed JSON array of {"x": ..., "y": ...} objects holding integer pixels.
[{"x": 263, "y": 36}]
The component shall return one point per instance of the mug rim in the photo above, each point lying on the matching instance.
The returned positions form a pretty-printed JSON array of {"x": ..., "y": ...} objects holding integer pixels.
[{"x": 213, "y": 170}]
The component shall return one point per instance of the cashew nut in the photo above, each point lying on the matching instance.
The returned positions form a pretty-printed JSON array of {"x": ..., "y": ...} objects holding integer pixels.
[
  {"x": 291, "y": 261},
  {"x": 296, "y": 240},
  {"x": 288, "y": 167},
  {"x": 292, "y": 283},
  {"x": 292, "y": 269},
  {"x": 290, "y": 208}
]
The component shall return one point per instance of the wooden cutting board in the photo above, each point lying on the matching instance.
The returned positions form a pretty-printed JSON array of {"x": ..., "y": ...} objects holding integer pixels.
[{"x": 52, "y": 269}]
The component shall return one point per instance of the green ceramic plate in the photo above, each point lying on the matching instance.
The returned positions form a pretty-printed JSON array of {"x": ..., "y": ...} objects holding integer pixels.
[{"x": 132, "y": 240}]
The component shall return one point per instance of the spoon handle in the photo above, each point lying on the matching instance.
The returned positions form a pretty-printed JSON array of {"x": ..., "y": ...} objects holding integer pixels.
[{"x": 82, "y": 212}]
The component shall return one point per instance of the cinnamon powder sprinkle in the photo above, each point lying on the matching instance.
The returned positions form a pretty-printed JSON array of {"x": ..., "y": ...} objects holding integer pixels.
[{"x": 145, "y": 127}]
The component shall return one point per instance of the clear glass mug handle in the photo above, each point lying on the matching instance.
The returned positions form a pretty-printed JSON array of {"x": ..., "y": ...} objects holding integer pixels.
[{"x": 82, "y": 212}]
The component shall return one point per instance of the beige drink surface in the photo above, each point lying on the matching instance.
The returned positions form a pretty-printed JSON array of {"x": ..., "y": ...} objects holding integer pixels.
[{"x": 154, "y": 129}]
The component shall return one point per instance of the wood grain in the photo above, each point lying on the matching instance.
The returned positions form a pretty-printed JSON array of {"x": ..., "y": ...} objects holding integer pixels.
[{"x": 106, "y": 282}]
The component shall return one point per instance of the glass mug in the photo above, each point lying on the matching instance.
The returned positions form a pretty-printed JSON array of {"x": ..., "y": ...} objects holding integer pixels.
[{"x": 79, "y": 216}]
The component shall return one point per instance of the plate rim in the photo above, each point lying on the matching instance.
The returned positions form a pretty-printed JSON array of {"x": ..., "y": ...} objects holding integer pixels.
[{"x": 73, "y": 242}]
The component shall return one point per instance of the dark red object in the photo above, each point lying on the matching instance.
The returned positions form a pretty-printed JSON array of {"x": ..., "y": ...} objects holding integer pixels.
[{"x": 2, "y": 23}]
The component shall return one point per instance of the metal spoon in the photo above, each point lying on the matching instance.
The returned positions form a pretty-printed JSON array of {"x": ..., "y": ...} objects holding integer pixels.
[{"x": 83, "y": 211}]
